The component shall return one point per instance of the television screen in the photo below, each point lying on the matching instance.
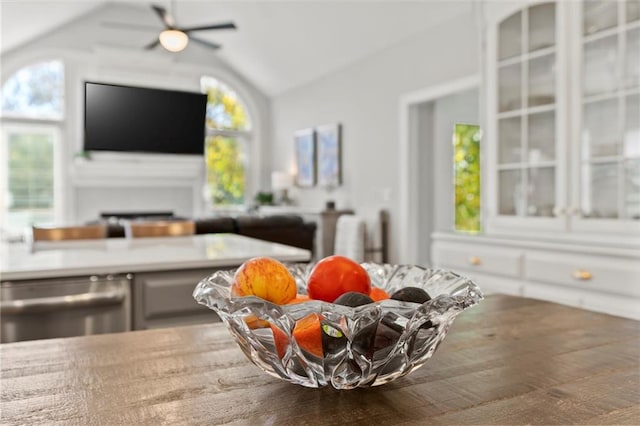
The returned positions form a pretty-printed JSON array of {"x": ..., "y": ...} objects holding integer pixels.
[{"x": 136, "y": 119}]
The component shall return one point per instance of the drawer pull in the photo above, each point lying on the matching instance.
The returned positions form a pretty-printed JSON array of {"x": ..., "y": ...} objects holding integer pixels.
[
  {"x": 475, "y": 260},
  {"x": 581, "y": 274}
]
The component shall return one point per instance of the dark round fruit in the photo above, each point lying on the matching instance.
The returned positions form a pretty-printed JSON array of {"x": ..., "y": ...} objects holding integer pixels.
[
  {"x": 363, "y": 340},
  {"x": 353, "y": 299},
  {"x": 411, "y": 294},
  {"x": 385, "y": 340},
  {"x": 333, "y": 339}
]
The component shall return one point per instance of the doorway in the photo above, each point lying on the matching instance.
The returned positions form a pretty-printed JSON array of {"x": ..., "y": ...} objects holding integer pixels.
[{"x": 428, "y": 119}]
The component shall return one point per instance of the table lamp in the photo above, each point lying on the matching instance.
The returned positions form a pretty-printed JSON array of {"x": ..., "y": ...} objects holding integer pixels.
[{"x": 281, "y": 182}]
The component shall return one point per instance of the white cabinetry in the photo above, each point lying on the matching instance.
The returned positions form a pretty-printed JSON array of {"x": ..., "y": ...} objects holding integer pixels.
[
  {"x": 561, "y": 156},
  {"x": 605, "y": 279},
  {"x": 562, "y": 139}
]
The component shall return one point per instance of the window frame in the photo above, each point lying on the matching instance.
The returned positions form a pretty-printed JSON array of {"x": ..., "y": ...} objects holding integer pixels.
[
  {"x": 50, "y": 127},
  {"x": 245, "y": 138},
  {"x": 57, "y": 127}
]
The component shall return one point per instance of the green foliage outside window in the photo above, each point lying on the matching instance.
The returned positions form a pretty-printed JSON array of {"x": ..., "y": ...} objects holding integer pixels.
[
  {"x": 466, "y": 150},
  {"x": 225, "y": 170},
  {"x": 30, "y": 177},
  {"x": 224, "y": 152}
]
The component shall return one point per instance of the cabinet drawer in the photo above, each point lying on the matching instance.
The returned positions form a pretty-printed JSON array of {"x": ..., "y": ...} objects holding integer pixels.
[
  {"x": 619, "y": 276},
  {"x": 491, "y": 260},
  {"x": 169, "y": 293}
]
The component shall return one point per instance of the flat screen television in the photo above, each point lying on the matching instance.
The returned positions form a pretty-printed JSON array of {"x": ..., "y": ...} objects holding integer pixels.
[{"x": 137, "y": 119}]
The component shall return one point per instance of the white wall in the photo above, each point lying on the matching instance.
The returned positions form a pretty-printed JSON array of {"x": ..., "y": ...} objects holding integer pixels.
[
  {"x": 365, "y": 98},
  {"x": 95, "y": 52}
]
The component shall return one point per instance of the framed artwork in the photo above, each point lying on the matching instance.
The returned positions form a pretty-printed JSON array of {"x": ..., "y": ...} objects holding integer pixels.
[
  {"x": 305, "y": 145},
  {"x": 329, "y": 153}
]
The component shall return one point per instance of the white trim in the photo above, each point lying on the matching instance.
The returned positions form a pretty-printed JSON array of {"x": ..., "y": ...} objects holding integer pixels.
[{"x": 408, "y": 194}]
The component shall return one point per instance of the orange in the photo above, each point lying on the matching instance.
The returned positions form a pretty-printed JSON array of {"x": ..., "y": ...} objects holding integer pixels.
[
  {"x": 378, "y": 294},
  {"x": 308, "y": 334},
  {"x": 281, "y": 340},
  {"x": 300, "y": 298}
]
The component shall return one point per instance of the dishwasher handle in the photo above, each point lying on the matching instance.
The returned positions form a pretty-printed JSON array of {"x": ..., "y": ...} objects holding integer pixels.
[{"x": 44, "y": 304}]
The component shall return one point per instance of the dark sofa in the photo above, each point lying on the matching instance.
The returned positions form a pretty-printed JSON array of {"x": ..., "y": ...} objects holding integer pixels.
[{"x": 291, "y": 230}]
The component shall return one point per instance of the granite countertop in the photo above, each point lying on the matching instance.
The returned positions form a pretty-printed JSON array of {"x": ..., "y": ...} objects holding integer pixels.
[
  {"x": 508, "y": 360},
  {"x": 21, "y": 261}
]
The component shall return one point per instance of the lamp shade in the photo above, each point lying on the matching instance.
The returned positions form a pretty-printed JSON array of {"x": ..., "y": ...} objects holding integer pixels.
[
  {"x": 173, "y": 40},
  {"x": 281, "y": 180}
]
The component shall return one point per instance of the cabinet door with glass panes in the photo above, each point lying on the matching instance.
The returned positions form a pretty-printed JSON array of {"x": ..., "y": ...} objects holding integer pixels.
[
  {"x": 606, "y": 106},
  {"x": 528, "y": 170}
]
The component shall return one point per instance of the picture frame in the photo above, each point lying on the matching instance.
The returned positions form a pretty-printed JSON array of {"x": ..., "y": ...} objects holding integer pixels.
[
  {"x": 305, "y": 151},
  {"x": 329, "y": 154}
]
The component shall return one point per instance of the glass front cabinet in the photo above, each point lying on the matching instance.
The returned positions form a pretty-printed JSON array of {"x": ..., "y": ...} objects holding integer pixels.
[{"x": 563, "y": 117}]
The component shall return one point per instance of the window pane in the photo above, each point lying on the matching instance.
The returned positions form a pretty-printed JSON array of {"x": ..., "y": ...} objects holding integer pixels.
[
  {"x": 510, "y": 193},
  {"x": 30, "y": 181},
  {"x": 510, "y": 37},
  {"x": 541, "y": 137},
  {"x": 632, "y": 189},
  {"x": 599, "y": 15},
  {"x": 542, "y": 80},
  {"x": 632, "y": 58},
  {"x": 510, "y": 87},
  {"x": 225, "y": 170},
  {"x": 600, "y": 194},
  {"x": 601, "y": 66},
  {"x": 633, "y": 10},
  {"x": 631, "y": 139},
  {"x": 542, "y": 26},
  {"x": 600, "y": 131},
  {"x": 509, "y": 140},
  {"x": 467, "y": 177},
  {"x": 35, "y": 91},
  {"x": 540, "y": 194},
  {"x": 225, "y": 111}
]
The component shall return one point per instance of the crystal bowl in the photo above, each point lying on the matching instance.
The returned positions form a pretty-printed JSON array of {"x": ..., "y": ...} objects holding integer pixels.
[{"x": 365, "y": 346}]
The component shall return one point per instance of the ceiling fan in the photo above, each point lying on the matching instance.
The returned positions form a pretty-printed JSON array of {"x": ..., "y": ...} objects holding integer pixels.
[{"x": 175, "y": 38}]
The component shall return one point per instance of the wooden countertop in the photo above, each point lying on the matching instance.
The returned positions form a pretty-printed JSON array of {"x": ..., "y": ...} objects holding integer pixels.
[
  {"x": 506, "y": 361},
  {"x": 124, "y": 255}
]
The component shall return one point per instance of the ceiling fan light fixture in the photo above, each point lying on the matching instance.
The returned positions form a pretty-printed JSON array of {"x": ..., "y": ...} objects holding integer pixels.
[{"x": 173, "y": 40}]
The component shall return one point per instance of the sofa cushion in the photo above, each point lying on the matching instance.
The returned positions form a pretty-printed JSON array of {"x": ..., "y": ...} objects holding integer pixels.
[
  {"x": 216, "y": 225},
  {"x": 284, "y": 229},
  {"x": 268, "y": 222}
]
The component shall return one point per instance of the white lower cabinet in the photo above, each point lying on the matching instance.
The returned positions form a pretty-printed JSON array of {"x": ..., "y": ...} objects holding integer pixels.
[{"x": 604, "y": 279}]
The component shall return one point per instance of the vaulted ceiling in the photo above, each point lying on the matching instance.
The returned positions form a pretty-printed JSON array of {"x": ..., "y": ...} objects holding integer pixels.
[{"x": 279, "y": 45}]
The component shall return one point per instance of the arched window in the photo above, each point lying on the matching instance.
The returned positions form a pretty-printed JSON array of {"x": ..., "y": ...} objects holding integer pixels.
[
  {"x": 227, "y": 134},
  {"x": 32, "y": 113}
]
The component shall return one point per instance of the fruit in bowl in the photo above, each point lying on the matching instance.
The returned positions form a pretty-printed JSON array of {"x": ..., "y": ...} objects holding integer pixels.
[
  {"x": 348, "y": 325},
  {"x": 266, "y": 278},
  {"x": 335, "y": 275}
]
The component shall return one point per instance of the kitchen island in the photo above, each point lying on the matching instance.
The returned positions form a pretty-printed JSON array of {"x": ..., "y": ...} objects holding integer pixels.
[
  {"x": 116, "y": 284},
  {"x": 23, "y": 261},
  {"x": 508, "y": 360}
]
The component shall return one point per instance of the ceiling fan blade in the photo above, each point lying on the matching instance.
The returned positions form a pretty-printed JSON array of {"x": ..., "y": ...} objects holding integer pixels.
[
  {"x": 129, "y": 26},
  {"x": 205, "y": 43},
  {"x": 153, "y": 44},
  {"x": 225, "y": 26},
  {"x": 165, "y": 17}
]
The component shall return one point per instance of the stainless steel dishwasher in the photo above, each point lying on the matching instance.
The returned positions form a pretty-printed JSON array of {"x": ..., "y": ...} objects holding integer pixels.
[{"x": 65, "y": 307}]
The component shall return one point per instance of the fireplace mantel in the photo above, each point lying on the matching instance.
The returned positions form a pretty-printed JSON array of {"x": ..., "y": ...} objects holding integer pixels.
[
  {"x": 110, "y": 173},
  {"x": 174, "y": 183}
]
